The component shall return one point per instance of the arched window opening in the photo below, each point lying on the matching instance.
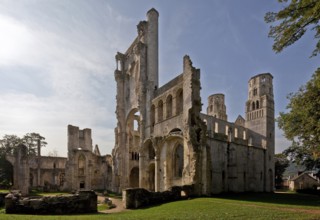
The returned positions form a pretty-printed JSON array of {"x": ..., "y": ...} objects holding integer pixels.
[
  {"x": 81, "y": 165},
  {"x": 169, "y": 106},
  {"x": 255, "y": 91},
  {"x": 152, "y": 116},
  {"x": 257, "y": 104},
  {"x": 152, "y": 153},
  {"x": 135, "y": 125},
  {"x": 61, "y": 179},
  {"x": 216, "y": 127},
  {"x": 253, "y": 106},
  {"x": 236, "y": 132},
  {"x": 179, "y": 101},
  {"x": 178, "y": 161},
  {"x": 160, "y": 111}
]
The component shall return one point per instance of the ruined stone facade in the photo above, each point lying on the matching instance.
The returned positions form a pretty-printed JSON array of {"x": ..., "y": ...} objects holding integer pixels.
[
  {"x": 83, "y": 169},
  {"x": 162, "y": 139}
]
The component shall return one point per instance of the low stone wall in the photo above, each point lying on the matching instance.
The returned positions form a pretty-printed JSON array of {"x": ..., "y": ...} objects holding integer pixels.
[
  {"x": 138, "y": 197},
  {"x": 81, "y": 202}
]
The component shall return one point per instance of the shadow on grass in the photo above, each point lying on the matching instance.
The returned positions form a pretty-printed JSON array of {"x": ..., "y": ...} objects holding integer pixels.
[{"x": 283, "y": 198}]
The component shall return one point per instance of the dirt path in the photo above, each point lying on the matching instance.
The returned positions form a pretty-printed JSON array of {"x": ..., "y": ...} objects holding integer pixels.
[{"x": 116, "y": 202}]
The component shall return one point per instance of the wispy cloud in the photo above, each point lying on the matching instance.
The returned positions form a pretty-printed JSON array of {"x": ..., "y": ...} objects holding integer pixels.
[{"x": 68, "y": 51}]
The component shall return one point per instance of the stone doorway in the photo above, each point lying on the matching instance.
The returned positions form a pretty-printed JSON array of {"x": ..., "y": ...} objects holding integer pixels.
[
  {"x": 134, "y": 177},
  {"x": 151, "y": 180},
  {"x": 82, "y": 185}
]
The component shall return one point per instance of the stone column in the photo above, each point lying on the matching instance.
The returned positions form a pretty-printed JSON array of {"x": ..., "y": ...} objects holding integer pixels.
[
  {"x": 157, "y": 174},
  {"x": 142, "y": 171}
]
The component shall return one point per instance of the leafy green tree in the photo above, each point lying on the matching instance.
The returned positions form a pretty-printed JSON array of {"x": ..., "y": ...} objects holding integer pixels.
[
  {"x": 301, "y": 124},
  {"x": 31, "y": 142},
  {"x": 293, "y": 21},
  {"x": 281, "y": 163},
  {"x": 9, "y": 145}
]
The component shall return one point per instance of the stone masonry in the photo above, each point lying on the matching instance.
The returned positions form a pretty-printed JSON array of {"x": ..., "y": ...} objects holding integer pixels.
[{"x": 163, "y": 139}]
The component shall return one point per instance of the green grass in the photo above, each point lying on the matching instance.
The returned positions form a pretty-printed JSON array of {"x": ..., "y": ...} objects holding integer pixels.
[
  {"x": 102, "y": 207},
  {"x": 233, "y": 206}
]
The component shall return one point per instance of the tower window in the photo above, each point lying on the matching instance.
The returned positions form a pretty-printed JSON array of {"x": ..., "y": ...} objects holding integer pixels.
[
  {"x": 257, "y": 104},
  {"x": 253, "y": 106},
  {"x": 255, "y": 91},
  {"x": 216, "y": 128}
]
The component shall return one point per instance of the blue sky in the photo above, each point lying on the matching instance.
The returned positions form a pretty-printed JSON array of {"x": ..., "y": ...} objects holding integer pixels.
[{"x": 57, "y": 59}]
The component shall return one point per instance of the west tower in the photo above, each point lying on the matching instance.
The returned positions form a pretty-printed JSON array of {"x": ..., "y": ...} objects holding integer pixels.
[{"x": 260, "y": 120}]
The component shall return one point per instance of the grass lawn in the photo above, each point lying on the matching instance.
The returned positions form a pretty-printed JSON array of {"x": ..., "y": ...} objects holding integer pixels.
[{"x": 235, "y": 206}]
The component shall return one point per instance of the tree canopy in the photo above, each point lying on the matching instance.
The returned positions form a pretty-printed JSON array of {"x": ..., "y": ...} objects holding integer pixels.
[
  {"x": 301, "y": 124},
  {"x": 8, "y": 145},
  {"x": 293, "y": 21}
]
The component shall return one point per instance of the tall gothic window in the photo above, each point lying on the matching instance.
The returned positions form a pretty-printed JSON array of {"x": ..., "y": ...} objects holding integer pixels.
[
  {"x": 179, "y": 100},
  {"x": 178, "y": 161},
  {"x": 152, "y": 118},
  {"x": 253, "y": 106},
  {"x": 160, "y": 111},
  {"x": 169, "y": 106},
  {"x": 81, "y": 165}
]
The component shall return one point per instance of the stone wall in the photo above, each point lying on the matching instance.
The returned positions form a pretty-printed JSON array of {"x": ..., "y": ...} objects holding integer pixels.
[
  {"x": 138, "y": 197},
  {"x": 81, "y": 202}
]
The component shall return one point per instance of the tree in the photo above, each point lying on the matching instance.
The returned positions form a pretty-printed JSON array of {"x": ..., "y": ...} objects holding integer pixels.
[
  {"x": 281, "y": 163},
  {"x": 31, "y": 142},
  {"x": 9, "y": 145},
  {"x": 301, "y": 124},
  {"x": 293, "y": 21}
]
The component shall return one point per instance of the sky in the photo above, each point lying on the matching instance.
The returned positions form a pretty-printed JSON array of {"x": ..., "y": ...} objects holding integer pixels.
[{"x": 57, "y": 60}]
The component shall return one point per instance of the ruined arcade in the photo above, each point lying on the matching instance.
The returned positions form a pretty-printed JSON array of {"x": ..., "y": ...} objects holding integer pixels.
[{"x": 162, "y": 139}]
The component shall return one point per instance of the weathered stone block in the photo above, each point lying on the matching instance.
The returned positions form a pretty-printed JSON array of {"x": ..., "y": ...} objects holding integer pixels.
[
  {"x": 138, "y": 197},
  {"x": 82, "y": 202}
]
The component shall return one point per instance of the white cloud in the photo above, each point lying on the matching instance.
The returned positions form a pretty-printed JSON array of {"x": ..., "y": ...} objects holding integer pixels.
[
  {"x": 73, "y": 55},
  {"x": 15, "y": 40}
]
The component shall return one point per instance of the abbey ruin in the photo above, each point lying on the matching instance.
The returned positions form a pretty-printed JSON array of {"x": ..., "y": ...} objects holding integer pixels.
[{"x": 162, "y": 139}]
